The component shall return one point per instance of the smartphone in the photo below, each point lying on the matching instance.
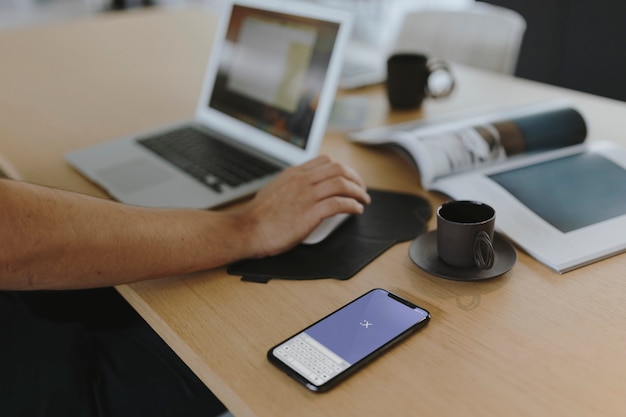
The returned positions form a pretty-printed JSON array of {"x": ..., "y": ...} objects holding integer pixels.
[{"x": 331, "y": 349}]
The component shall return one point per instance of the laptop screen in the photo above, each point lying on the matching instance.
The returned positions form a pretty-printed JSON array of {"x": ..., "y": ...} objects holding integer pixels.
[{"x": 272, "y": 69}]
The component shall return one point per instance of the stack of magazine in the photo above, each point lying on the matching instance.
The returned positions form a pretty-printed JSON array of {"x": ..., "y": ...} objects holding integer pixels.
[{"x": 559, "y": 197}]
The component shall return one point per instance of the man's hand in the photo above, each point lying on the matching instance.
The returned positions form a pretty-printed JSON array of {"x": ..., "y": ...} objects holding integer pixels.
[
  {"x": 284, "y": 212},
  {"x": 53, "y": 239}
]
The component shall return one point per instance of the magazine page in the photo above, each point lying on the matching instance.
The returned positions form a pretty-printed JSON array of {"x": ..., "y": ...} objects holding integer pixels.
[
  {"x": 561, "y": 207},
  {"x": 450, "y": 147}
]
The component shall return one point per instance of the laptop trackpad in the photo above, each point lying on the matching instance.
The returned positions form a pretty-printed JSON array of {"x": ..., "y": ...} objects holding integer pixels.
[{"x": 133, "y": 175}]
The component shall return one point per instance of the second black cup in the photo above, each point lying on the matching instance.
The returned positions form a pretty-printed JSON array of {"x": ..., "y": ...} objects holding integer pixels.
[
  {"x": 408, "y": 76},
  {"x": 465, "y": 234}
]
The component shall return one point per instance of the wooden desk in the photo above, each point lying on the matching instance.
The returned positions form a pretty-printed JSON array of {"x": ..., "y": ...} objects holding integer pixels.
[{"x": 530, "y": 343}]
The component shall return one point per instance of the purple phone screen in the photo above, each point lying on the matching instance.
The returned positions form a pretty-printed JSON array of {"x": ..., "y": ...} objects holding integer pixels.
[{"x": 365, "y": 325}]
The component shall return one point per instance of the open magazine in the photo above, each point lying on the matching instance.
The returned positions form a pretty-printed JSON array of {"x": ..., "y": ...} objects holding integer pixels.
[{"x": 558, "y": 197}]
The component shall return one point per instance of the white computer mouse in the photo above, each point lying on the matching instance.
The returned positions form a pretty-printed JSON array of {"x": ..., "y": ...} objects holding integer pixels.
[{"x": 325, "y": 228}]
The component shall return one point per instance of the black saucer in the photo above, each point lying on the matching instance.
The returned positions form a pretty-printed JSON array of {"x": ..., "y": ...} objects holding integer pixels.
[{"x": 423, "y": 252}]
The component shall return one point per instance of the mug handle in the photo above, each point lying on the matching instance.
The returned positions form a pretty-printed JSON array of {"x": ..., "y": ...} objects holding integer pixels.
[
  {"x": 484, "y": 255},
  {"x": 433, "y": 66}
]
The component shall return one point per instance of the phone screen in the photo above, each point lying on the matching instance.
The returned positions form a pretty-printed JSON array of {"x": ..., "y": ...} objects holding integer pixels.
[{"x": 331, "y": 349}]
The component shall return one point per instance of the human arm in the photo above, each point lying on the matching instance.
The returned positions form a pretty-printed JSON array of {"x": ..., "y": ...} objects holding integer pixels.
[{"x": 53, "y": 239}]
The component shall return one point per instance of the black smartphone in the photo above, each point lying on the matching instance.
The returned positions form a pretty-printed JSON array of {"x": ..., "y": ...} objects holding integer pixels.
[{"x": 331, "y": 349}]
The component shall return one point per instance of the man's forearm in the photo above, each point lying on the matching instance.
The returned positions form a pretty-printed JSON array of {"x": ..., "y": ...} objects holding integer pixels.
[{"x": 54, "y": 239}]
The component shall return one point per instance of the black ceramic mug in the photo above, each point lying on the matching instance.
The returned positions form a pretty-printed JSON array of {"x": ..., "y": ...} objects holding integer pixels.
[
  {"x": 408, "y": 76},
  {"x": 465, "y": 234}
]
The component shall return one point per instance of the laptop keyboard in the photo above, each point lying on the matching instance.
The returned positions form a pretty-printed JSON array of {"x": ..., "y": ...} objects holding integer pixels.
[{"x": 209, "y": 160}]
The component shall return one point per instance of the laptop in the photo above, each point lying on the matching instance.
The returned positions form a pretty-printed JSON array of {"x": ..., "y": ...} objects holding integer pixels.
[{"x": 267, "y": 93}]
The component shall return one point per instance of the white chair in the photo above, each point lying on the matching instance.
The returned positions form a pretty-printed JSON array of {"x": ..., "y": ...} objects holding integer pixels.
[{"x": 480, "y": 35}]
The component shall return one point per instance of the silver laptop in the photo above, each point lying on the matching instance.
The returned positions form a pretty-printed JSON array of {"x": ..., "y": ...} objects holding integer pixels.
[{"x": 265, "y": 101}]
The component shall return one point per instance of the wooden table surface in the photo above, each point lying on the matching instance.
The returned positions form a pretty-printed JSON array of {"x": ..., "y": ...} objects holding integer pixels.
[{"x": 529, "y": 343}]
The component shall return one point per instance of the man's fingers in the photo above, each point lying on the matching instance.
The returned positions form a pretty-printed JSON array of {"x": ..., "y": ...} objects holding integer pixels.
[
  {"x": 315, "y": 163},
  {"x": 340, "y": 187},
  {"x": 323, "y": 168}
]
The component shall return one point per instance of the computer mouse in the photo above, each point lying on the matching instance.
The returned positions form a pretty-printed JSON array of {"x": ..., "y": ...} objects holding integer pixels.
[{"x": 325, "y": 228}]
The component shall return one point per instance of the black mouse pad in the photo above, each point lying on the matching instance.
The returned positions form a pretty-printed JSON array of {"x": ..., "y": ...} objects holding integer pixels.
[{"x": 390, "y": 218}]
